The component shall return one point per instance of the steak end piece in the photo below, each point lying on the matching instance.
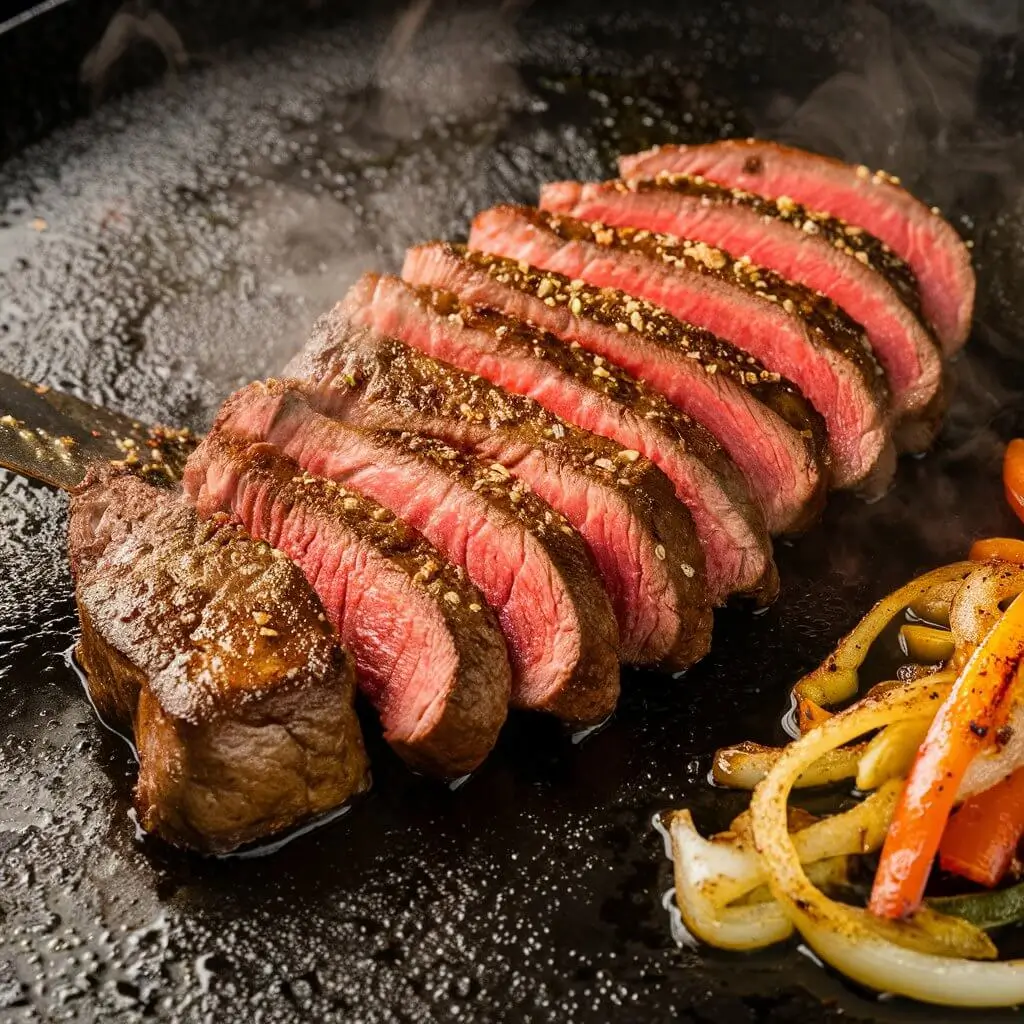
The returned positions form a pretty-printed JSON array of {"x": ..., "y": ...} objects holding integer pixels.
[
  {"x": 874, "y": 201},
  {"x": 528, "y": 562},
  {"x": 854, "y": 269},
  {"x": 791, "y": 329},
  {"x": 760, "y": 419},
  {"x": 594, "y": 394},
  {"x": 640, "y": 537},
  {"x": 214, "y": 651},
  {"x": 427, "y": 649}
]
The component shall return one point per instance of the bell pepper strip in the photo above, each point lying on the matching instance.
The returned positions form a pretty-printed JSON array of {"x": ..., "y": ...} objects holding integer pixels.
[
  {"x": 982, "y": 836},
  {"x": 836, "y": 678},
  {"x": 984, "y": 909},
  {"x": 925, "y": 644},
  {"x": 976, "y": 707},
  {"x": 809, "y": 714},
  {"x": 1006, "y": 549},
  {"x": 1013, "y": 476}
]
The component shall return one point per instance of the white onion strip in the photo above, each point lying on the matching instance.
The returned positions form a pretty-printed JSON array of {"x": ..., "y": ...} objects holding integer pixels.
[{"x": 712, "y": 873}]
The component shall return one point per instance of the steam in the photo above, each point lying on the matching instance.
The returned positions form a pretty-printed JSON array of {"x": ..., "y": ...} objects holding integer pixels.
[
  {"x": 907, "y": 103},
  {"x": 911, "y": 102}
]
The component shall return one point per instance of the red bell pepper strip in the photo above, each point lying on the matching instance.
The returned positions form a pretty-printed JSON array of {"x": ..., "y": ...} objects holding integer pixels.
[
  {"x": 983, "y": 835},
  {"x": 976, "y": 707}
]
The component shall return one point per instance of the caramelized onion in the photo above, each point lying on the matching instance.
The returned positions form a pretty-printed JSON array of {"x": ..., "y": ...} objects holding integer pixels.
[
  {"x": 922, "y": 957},
  {"x": 744, "y": 765},
  {"x": 836, "y": 679}
]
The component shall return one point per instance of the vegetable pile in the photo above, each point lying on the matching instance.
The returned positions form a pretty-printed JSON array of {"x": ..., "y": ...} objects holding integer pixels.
[{"x": 936, "y": 757}]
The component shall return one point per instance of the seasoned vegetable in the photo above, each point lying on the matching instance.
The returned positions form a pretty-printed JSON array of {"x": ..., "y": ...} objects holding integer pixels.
[
  {"x": 982, "y": 836},
  {"x": 1013, "y": 476},
  {"x": 985, "y": 909},
  {"x": 977, "y": 706},
  {"x": 1005, "y": 549}
]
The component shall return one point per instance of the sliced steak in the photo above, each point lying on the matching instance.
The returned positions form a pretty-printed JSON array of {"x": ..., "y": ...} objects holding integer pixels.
[
  {"x": 851, "y": 267},
  {"x": 639, "y": 536},
  {"x": 215, "y": 652},
  {"x": 529, "y": 563},
  {"x": 428, "y": 652},
  {"x": 875, "y": 202},
  {"x": 791, "y": 329},
  {"x": 759, "y": 419},
  {"x": 594, "y": 394}
]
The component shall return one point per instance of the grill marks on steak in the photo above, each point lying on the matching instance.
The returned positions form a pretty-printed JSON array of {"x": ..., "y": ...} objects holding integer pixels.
[
  {"x": 427, "y": 649},
  {"x": 530, "y": 564},
  {"x": 594, "y": 394},
  {"x": 873, "y": 201},
  {"x": 759, "y": 419},
  {"x": 791, "y": 329},
  {"x": 853, "y": 269},
  {"x": 212, "y": 648},
  {"x": 639, "y": 536}
]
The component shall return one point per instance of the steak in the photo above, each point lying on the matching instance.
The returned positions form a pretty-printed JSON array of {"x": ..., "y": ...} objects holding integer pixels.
[
  {"x": 639, "y": 536},
  {"x": 851, "y": 267},
  {"x": 590, "y": 392},
  {"x": 529, "y": 563},
  {"x": 428, "y": 651},
  {"x": 791, "y": 329},
  {"x": 875, "y": 202},
  {"x": 759, "y": 419},
  {"x": 213, "y": 650}
]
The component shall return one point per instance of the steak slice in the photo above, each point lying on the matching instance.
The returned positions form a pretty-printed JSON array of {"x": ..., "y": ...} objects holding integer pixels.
[
  {"x": 639, "y": 536},
  {"x": 428, "y": 652},
  {"x": 760, "y": 420},
  {"x": 851, "y": 267},
  {"x": 590, "y": 392},
  {"x": 791, "y": 329},
  {"x": 214, "y": 651},
  {"x": 529, "y": 563},
  {"x": 920, "y": 236}
]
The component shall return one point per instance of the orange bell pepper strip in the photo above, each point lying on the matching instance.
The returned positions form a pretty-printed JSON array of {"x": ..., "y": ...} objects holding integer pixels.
[
  {"x": 1013, "y": 476},
  {"x": 983, "y": 835},
  {"x": 1006, "y": 549},
  {"x": 976, "y": 707},
  {"x": 809, "y": 714}
]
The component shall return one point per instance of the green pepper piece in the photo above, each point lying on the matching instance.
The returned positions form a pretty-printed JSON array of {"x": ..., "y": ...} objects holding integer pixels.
[{"x": 984, "y": 909}]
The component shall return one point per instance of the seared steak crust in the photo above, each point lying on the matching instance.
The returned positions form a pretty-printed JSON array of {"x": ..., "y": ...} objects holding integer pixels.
[
  {"x": 701, "y": 374},
  {"x": 793, "y": 330},
  {"x": 595, "y": 394},
  {"x": 874, "y": 201},
  {"x": 213, "y": 650},
  {"x": 812, "y": 248},
  {"x": 847, "y": 238},
  {"x": 529, "y": 563},
  {"x": 640, "y": 537},
  {"x": 427, "y": 649}
]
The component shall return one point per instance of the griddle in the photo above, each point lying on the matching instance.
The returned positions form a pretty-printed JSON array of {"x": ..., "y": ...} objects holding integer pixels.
[{"x": 170, "y": 227}]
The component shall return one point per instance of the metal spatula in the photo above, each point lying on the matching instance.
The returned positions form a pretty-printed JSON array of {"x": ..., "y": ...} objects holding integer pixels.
[{"x": 54, "y": 437}]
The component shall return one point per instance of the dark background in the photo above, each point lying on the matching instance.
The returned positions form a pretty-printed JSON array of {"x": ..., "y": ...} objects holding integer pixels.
[{"x": 183, "y": 188}]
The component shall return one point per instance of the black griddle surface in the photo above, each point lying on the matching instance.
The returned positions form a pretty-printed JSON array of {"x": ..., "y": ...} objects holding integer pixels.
[{"x": 181, "y": 241}]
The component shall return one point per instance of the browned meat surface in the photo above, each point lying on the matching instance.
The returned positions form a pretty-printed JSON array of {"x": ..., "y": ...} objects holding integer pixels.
[
  {"x": 854, "y": 269},
  {"x": 428, "y": 651},
  {"x": 215, "y": 652},
  {"x": 529, "y": 563},
  {"x": 640, "y": 536},
  {"x": 595, "y": 394},
  {"x": 759, "y": 418},
  {"x": 873, "y": 201},
  {"x": 789, "y": 328}
]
